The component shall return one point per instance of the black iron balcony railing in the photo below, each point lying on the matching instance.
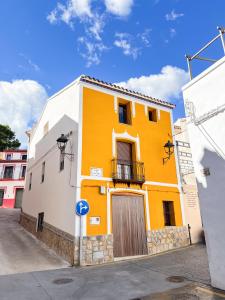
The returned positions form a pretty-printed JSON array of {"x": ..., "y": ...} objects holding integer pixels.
[{"x": 126, "y": 171}]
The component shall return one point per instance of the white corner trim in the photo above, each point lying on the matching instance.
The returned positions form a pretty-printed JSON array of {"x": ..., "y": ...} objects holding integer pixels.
[
  {"x": 115, "y": 104},
  {"x": 158, "y": 111},
  {"x": 133, "y": 109},
  {"x": 109, "y": 213},
  {"x": 127, "y": 137},
  {"x": 146, "y": 110}
]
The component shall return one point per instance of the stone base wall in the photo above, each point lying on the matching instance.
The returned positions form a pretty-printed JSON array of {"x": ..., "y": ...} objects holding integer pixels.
[
  {"x": 97, "y": 249},
  {"x": 167, "y": 238},
  {"x": 61, "y": 242}
]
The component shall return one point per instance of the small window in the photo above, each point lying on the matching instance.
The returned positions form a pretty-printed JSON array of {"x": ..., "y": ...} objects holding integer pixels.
[
  {"x": 30, "y": 181},
  {"x": 40, "y": 222},
  {"x": 23, "y": 173},
  {"x": 8, "y": 172},
  {"x": 62, "y": 160},
  {"x": 124, "y": 113},
  {"x": 152, "y": 115},
  {"x": 43, "y": 172},
  {"x": 8, "y": 156},
  {"x": 168, "y": 210},
  {"x": 24, "y": 157}
]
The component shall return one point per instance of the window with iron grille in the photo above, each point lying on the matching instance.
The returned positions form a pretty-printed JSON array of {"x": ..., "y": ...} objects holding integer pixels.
[
  {"x": 8, "y": 172},
  {"x": 8, "y": 156},
  {"x": 23, "y": 173},
  {"x": 24, "y": 157}
]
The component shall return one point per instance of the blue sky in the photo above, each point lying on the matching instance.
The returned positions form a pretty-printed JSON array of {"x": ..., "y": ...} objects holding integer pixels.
[{"x": 44, "y": 45}]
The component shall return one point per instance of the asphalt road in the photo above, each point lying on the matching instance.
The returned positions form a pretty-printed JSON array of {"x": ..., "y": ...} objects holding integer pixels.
[
  {"x": 20, "y": 251},
  {"x": 146, "y": 278}
]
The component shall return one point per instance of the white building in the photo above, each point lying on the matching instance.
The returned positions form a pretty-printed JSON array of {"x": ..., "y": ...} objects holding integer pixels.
[
  {"x": 12, "y": 177},
  {"x": 188, "y": 180},
  {"x": 204, "y": 98}
]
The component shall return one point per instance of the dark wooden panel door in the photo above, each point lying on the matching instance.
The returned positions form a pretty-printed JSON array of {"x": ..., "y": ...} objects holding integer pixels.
[
  {"x": 19, "y": 196},
  {"x": 124, "y": 151},
  {"x": 129, "y": 230}
]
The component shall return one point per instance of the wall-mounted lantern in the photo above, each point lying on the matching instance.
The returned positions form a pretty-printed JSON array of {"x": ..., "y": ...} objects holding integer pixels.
[
  {"x": 169, "y": 149},
  {"x": 62, "y": 142}
]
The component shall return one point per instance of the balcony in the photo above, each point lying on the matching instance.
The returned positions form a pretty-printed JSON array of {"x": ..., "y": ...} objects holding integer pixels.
[{"x": 130, "y": 172}]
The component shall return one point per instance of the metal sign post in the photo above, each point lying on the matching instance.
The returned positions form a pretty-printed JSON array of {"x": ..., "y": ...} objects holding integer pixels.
[{"x": 82, "y": 208}]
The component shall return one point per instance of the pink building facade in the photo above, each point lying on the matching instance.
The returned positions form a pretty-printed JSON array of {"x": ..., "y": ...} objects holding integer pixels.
[{"x": 12, "y": 177}]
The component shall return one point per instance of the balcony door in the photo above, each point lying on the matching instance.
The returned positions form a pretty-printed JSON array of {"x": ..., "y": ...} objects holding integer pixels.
[{"x": 124, "y": 157}]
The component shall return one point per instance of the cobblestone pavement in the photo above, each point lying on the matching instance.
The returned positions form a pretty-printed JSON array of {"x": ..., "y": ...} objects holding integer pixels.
[{"x": 134, "y": 279}]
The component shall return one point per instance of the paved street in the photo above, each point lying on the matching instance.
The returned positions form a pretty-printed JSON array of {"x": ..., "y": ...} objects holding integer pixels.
[
  {"x": 123, "y": 280},
  {"x": 20, "y": 251},
  {"x": 180, "y": 274}
]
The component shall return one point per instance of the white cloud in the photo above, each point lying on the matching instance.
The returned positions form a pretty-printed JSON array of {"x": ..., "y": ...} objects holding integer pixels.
[
  {"x": 166, "y": 85},
  {"x": 120, "y": 8},
  {"x": 96, "y": 26},
  {"x": 21, "y": 102},
  {"x": 29, "y": 62},
  {"x": 73, "y": 9},
  {"x": 145, "y": 37},
  {"x": 124, "y": 41},
  {"x": 173, "y": 32},
  {"x": 94, "y": 18},
  {"x": 91, "y": 51},
  {"x": 172, "y": 16}
]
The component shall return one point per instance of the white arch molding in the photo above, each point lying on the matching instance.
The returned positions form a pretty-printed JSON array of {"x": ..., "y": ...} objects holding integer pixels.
[{"x": 128, "y": 137}]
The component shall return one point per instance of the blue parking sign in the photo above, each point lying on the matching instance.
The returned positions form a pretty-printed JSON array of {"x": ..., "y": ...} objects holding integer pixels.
[{"x": 82, "y": 208}]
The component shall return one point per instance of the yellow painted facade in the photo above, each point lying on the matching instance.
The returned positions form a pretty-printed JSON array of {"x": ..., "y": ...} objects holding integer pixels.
[{"x": 100, "y": 129}]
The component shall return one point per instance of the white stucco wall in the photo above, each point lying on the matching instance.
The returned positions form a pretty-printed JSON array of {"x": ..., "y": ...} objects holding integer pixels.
[
  {"x": 207, "y": 92},
  {"x": 56, "y": 196}
]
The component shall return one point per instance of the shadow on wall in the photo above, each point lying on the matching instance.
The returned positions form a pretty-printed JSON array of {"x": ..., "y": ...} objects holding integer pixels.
[{"x": 212, "y": 207}]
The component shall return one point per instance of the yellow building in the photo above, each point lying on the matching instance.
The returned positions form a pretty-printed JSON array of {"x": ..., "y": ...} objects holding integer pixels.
[{"x": 119, "y": 165}]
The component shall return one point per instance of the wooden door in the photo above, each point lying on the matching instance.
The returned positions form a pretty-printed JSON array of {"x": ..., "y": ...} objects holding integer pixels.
[
  {"x": 19, "y": 196},
  {"x": 1, "y": 197},
  {"x": 129, "y": 230}
]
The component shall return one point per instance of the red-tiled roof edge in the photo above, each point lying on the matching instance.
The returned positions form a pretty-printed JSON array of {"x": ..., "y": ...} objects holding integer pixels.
[{"x": 111, "y": 86}]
